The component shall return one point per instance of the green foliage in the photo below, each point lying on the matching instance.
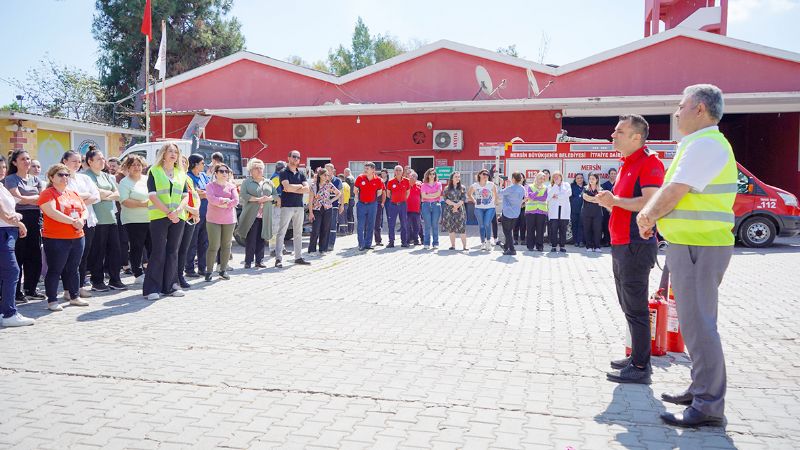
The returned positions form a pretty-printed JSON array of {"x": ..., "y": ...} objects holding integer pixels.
[
  {"x": 364, "y": 51},
  {"x": 14, "y": 107},
  {"x": 198, "y": 32},
  {"x": 511, "y": 50},
  {"x": 62, "y": 91}
]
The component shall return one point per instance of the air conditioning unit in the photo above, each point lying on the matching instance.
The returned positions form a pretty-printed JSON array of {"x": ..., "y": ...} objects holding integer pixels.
[
  {"x": 448, "y": 140},
  {"x": 244, "y": 131}
]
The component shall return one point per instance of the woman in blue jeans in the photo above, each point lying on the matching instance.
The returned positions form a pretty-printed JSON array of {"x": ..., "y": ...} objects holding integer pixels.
[
  {"x": 11, "y": 228},
  {"x": 431, "y": 207},
  {"x": 484, "y": 194}
]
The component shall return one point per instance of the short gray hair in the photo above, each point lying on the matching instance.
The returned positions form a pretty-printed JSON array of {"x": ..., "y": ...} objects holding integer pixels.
[
  {"x": 252, "y": 163},
  {"x": 710, "y": 96}
]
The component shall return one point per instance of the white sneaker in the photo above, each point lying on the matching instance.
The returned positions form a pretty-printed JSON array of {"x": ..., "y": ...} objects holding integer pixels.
[
  {"x": 78, "y": 302},
  {"x": 139, "y": 280},
  {"x": 178, "y": 293},
  {"x": 84, "y": 293},
  {"x": 153, "y": 297},
  {"x": 427, "y": 247},
  {"x": 589, "y": 250},
  {"x": 17, "y": 320},
  {"x": 176, "y": 287},
  {"x": 54, "y": 306}
]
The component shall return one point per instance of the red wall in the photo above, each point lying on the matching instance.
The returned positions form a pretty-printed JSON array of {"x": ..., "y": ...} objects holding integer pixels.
[{"x": 377, "y": 138}]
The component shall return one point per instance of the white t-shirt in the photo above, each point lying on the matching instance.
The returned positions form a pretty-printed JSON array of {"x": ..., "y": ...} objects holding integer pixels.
[
  {"x": 702, "y": 160},
  {"x": 81, "y": 184},
  {"x": 9, "y": 202},
  {"x": 484, "y": 195}
]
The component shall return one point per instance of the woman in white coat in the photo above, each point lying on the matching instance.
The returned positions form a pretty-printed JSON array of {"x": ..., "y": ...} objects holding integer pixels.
[{"x": 558, "y": 211}]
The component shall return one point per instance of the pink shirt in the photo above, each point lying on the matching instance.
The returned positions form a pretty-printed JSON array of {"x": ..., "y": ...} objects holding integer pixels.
[
  {"x": 435, "y": 188},
  {"x": 219, "y": 213}
]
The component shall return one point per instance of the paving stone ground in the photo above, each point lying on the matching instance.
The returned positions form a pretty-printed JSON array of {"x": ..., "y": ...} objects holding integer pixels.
[{"x": 395, "y": 348}]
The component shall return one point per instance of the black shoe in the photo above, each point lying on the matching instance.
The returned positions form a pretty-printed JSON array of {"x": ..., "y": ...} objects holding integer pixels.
[
  {"x": 539, "y": 249},
  {"x": 369, "y": 248},
  {"x": 224, "y": 275},
  {"x": 127, "y": 271},
  {"x": 691, "y": 418},
  {"x": 20, "y": 299},
  {"x": 286, "y": 252},
  {"x": 260, "y": 265},
  {"x": 35, "y": 295},
  {"x": 248, "y": 265},
  {"x": 621, "y": 363},
  {"x": 679, "y": 399},
  {"x": 391, "y": 245},
  {"x": 117, "y": 286},
  {"x": 278, "y": 263},
  {"x": 508, "y": 252},
  {"x": 553, "y": 249},
  {"x": 405, "y": 245},
  {"x": 630, "y": 374},
  {"x": 100, "y": 287},
  {"x": 193, "y": 274},
  {"x": 563, "y": 250},
  {"x": 208, "y": 276},
  {"x": 183, "y": 283},
  {"x": 452, "y": 248},
  {"x": 302, "y": 262},
  {"x": 362, "y": 249},
  {"x": 378, "y": 244}
]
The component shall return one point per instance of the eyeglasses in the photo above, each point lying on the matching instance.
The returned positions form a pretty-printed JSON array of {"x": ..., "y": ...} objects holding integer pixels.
[
  {"x": 63, "y": 175},
  {"x": 223, "y": 171},
  {"x": 294, "y": 157}
]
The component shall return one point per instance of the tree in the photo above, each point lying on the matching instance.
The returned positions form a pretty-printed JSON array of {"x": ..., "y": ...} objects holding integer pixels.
[
  {"x": 14, "y": 107},
  {"x": 62, "y": 91},
  {"x": 364, "y": 51},
  {"x": 511, "y": 50},
  {"x": 198, "y": 32}
]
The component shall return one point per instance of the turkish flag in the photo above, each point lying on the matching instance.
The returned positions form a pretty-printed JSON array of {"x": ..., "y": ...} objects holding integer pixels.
[{"x": 147, "y": 23}]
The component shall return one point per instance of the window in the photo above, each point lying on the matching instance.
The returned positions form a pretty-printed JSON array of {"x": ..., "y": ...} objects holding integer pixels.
[
  {"x": 357, "y": 167},
  {"x": 471, "y": 168}
]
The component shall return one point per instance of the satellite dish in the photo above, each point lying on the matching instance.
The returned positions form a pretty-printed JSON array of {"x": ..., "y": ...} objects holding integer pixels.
[
  {"x": 484, "y": 82},
  {"x": 533, "y": 86}
]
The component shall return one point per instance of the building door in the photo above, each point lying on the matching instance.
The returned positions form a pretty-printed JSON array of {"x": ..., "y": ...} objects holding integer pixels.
[
  {"x": 314, "y": 163},
  {"x": 420, "y": 164}
]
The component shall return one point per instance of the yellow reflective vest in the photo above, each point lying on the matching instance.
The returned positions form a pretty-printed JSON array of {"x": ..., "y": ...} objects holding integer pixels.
[
  {"x": 703, "y": 218},
  {"x": 170, "y": 192}
]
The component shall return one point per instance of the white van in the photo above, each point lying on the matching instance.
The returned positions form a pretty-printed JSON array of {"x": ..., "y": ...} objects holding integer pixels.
[{"x": 231, "y": 152}]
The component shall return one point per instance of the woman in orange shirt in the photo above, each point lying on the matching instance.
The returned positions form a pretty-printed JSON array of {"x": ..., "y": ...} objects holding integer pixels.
[{"x": 62, "y": 235}]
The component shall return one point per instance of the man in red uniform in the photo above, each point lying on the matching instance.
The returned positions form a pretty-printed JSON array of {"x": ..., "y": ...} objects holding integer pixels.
[
  {"x": 414, "y": 205},
  {"x": 640, "y": 176},
  {"x": 368, "y": 188},
  {"x": 396, "y": 206}
]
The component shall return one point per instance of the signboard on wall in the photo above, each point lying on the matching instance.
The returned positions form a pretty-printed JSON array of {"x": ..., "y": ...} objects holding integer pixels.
[
  {"x": 530, "y": 167},
  {"x": 491, "y": 149},
  {"x": 587, "y": 166},
  {"x": 82, "y": 141},
  {"x": 52, "y": 145}
]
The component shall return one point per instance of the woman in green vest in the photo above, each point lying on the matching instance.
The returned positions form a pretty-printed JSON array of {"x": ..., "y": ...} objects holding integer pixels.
[
  {"x": 255, "y": 221},
  {"x": 167, "y": 189},
  {"x": 536, "y": 213}
]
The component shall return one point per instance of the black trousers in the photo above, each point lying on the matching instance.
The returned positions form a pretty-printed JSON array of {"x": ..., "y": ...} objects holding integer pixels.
[
  {"x": 320, "y": 230},
  {"x": 605, "y": 238},
  {"x": 558, "y": 232},
  {"x": 632, "y": 264},
  {"x": 494, "y": 229},
  {"x": 105, "y": 249},
  {"x": 124, "y": 243},
  {"x": 592, "y": 229},
  {"x": 519, "y": 226},
  {"x": 139, "y": 239},
  {"x": 183, "y": 249},
  {"x": 535, "y": 225},
  {"x": 88, "y": 243},
  {"x": 508, "y": 230},
  {"x": 28, "y": 251},
  {"x": 163, "y": 262},
  {"x": 254, "y": 245}
]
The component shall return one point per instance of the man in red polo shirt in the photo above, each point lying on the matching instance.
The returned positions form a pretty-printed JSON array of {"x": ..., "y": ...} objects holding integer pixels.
[
  {"x": 396, "y": 206},
  {"x": 368, "y": 188},
  {"x": 640, "y": 176}
]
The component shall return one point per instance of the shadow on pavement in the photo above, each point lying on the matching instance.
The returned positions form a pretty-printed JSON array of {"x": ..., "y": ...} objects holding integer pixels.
[{"x": 130, "y": 304}]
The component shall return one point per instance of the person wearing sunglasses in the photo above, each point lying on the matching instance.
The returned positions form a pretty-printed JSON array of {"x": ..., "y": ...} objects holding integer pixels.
[
  {"x": 223, "y": 196},
  {"x": 64, "y": 215},
  {"x": 294, "y": 185}
]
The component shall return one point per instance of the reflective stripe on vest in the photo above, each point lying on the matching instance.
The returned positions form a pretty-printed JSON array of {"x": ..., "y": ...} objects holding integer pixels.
[
  {"x": 536, "y": 205},
  {"x": 163, "y": 184},
  {"x": 704, "y": 218}
]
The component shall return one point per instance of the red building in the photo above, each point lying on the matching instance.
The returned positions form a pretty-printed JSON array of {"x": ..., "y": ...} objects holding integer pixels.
[{"x": 390, "y": 112}]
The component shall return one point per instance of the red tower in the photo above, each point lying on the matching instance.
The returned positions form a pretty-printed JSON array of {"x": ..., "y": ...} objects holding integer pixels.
[{"x": 705, "y": 15}]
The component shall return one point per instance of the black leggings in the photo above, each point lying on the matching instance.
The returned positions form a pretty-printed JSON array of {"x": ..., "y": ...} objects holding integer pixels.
[
  {"x": 139, "y": 239},
  {"x": 28, "y": 251},
  {"x": 592, "y": 229},
  {"x": 105, "y": 253},
  {"x": 183, "y": 250},
  {"x": 535, "y": 224},
  {"x": 254, "y": 244},
  {"x": 558, "y": 232}
]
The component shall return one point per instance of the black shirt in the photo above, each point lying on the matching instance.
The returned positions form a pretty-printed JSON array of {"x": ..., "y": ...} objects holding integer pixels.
[
  {"x": 291, "y": 199},
  {"x": 591, "y": 209}
]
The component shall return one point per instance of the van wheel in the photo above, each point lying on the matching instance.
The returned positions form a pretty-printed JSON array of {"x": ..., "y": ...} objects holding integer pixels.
[{"x": 757, "y": 232}]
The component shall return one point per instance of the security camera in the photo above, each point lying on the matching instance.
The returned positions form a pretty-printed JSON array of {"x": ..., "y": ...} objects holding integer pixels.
[
  {"x": 27, "y": 130},
  {"x": 429, "y": 125}
]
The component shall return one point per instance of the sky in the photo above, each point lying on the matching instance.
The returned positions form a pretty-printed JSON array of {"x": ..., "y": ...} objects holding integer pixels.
[{"x": 576, "y": 29}]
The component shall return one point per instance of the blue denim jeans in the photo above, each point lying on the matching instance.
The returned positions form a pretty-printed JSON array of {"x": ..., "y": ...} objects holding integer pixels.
[
  {"x": 393, "y": 212},
  {"x": 63, "y": 261},
  {"x": 485, "y": 216},
  {"x": 366, "y": 213},
  {"x": 431, "y": 213},
  {"x": 9, "y": 271}
]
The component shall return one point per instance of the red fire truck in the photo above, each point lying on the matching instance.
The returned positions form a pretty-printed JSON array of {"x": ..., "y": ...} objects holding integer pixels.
[{"x": 763, "y": 212}]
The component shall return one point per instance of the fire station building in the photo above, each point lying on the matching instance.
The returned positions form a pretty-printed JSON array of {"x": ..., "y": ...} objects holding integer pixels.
[{"x": 421, "y": 108}]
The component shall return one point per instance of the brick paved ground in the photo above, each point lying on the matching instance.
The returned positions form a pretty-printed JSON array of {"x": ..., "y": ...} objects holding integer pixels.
[{"x": 442, "y": 350}]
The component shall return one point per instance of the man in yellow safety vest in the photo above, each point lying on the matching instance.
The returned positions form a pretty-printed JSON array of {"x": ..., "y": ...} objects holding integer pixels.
[{"x": 694, "y": 213}]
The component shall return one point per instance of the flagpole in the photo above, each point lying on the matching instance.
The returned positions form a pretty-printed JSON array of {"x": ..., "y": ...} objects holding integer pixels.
[
  {"x": 163, "y": 88},
  {"x": 147, "y": 87}
]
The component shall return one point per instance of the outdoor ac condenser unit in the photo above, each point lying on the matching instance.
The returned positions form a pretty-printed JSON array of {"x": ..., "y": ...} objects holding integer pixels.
[
  {"x": 244, "y": 131},
  {"x": 448, "y": 140}
]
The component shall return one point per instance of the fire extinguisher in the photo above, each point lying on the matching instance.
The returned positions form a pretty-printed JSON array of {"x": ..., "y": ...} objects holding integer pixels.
[
  {"x": 658, "y": 326},
  {"x": 674, "y": 338}
]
